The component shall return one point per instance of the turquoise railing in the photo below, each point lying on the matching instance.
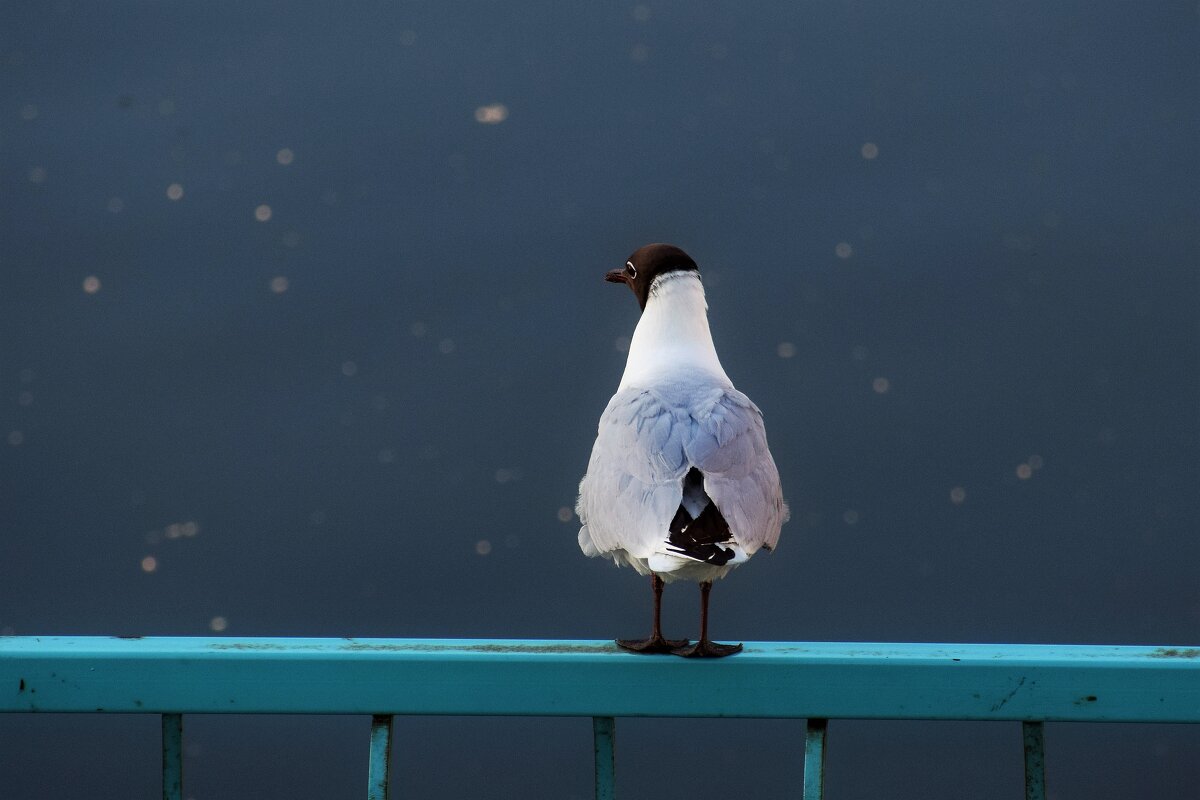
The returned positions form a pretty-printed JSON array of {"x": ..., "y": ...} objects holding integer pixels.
[{"x": 1030, "y": 684}]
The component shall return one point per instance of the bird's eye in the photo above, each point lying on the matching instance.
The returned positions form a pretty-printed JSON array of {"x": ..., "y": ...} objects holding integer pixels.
[{"x": 631, "y": 269}]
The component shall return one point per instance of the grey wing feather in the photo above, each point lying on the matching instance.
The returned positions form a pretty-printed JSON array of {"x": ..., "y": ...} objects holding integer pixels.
[
  {"x": 634, "y": 480},
  {"x": 730, "y": 448}
]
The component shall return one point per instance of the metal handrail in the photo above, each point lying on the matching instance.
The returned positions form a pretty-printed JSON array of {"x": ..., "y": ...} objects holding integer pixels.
[{"x": 799, "y": 680}]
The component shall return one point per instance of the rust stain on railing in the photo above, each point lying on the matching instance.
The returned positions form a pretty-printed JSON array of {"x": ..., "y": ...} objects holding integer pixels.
[{"x": 1176, "y": 652}]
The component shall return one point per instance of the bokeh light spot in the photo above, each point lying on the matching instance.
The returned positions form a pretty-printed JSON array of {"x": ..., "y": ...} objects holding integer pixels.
[
  {"x": 492, "y": 114},
  {"x": 182, "y": 530}
]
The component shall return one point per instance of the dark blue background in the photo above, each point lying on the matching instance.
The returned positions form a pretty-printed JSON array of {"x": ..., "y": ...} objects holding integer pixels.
[{"x": 1022, "y": 271}]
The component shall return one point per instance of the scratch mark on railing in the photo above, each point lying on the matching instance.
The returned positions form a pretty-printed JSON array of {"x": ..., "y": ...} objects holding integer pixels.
[{"x": 999, "y": 705}]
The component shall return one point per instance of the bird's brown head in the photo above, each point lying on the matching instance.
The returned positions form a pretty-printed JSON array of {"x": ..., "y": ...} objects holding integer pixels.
[{"x": 646, "y": 264}]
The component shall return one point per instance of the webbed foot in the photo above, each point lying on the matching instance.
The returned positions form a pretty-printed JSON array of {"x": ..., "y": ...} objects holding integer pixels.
[
  {"x": 655, "y": 644},
  {"x": 706, "y": 649}
]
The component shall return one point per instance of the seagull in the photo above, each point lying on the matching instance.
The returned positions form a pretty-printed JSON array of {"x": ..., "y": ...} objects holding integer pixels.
[{"x": 680, "y": 484}]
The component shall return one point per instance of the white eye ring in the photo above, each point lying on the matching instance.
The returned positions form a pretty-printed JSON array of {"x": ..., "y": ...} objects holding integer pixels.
[{"x": 632, "y": 268}]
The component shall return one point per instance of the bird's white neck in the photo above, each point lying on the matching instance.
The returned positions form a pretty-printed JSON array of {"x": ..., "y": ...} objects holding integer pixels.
[{"x": 672, "y": 335}]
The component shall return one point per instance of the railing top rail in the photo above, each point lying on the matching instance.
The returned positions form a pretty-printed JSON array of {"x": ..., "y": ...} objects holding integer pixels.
[{"x": 595, "y": 678}]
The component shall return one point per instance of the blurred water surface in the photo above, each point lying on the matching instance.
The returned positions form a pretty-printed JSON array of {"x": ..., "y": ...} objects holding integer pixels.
[{"x": 303, "y": 332}]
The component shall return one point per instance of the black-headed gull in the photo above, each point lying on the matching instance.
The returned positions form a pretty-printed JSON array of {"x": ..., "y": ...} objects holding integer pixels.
[{"x": 680, "y": 485}]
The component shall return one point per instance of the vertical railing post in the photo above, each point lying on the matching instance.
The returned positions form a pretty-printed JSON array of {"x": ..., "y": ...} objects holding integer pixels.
[
  {"x": 379, "y": 768},
  {"x": 172, "y": 756},
  {"x": 814, "y": 759},
  {"x": 1034, "y": 736},
  {"x": 604, "y": 735}
]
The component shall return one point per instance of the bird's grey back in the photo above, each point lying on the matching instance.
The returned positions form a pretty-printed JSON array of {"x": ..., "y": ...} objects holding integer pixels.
[{"x": 648, "y": 439}]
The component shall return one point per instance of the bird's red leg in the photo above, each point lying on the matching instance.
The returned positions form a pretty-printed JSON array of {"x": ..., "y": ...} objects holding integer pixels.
[
  {"x": 656, "y": 643},
  {"x": 705, "y": 648}
]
